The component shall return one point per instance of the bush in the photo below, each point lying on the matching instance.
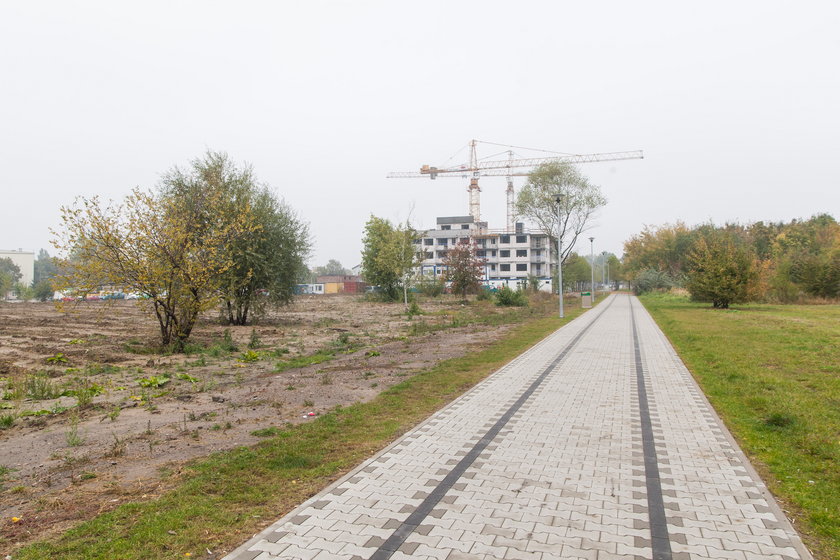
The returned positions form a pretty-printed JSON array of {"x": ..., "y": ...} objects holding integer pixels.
[
  {"x": 413, "y": 310},
  {"x": 42, "y": 291},
  {"x": 722, "y": 270},
  {"x": 430, "y": 286},
  {"x": 652, "y": 280},
  {"x": 511, "y": 298},
  {"x": 485, "y": 294}
]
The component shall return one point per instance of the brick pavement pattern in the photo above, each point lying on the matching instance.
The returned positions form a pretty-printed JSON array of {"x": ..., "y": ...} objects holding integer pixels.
[{"x": 562, "y": 475}]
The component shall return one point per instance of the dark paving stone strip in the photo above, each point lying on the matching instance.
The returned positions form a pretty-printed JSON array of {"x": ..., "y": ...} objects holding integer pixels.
[
  {"x": 660, "y": 541},
  {"x": 397, "y": 538}
]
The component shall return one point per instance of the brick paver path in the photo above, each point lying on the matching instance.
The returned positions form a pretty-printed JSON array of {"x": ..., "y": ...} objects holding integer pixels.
[{"x": 594, "y": 444}]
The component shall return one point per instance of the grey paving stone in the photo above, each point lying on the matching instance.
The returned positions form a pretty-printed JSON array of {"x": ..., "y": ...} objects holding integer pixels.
[{"x": 565, "y": 477}]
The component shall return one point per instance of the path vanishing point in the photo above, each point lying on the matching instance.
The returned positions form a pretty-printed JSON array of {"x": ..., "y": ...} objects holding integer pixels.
[{"x": 596, "y": 443}]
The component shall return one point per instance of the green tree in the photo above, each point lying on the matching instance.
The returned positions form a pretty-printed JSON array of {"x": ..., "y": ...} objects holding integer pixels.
[
  {"x": 264, "y": 265},
  {"x": 615, "y": 269},
  {"x": 464, "y": 268},
  {"x": 806, "y": 258},
  {"x": 722, "y": 270},
  {"x": 24, "y": 292},
  {"x": 9, "y": 276},
  {"x": 561, "y": 202},
  {"x": 44, "y": 267},
  {"x": 43, "y": 290},
  {"x": 389, "y": 256},
  {"x": 44, "y": 270},
  {"x": 579, "y": 201},
  {"x": 172, "y": 245},
  {"x": 664, "y": 249},
  {"x": 576, "y": 272},
  {"x": 333, "y": 268}
]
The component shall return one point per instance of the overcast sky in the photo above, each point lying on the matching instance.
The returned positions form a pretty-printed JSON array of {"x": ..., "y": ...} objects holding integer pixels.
[{"x": 735, "y": 104}]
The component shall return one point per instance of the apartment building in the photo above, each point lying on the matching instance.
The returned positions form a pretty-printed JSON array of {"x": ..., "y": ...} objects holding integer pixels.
[{"x": 510, "y": 256}]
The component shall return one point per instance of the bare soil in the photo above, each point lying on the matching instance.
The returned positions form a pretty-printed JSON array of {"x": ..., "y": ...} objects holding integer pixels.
[{"x": 62, "y": 462}]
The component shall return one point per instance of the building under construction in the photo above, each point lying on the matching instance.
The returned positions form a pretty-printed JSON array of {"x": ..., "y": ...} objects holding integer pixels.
[
  {"x": 510, "y": 256},
  {"x": 514, "y": 254}
]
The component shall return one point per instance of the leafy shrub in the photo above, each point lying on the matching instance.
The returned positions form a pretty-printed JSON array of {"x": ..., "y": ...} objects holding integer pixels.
[
  {"x": 6, "y": 421},
  {"x": 227, "y": 342},
  {"x": 413, "y": 310},
  {"x": 722, "y": 270},
  {"x": 485, "y": 294},
  {"x": 510, "y": 298},
  {"x": 153, "y": 381},
  {"x": 58, "y": 358},
  {"x": 249, "y": 357},
  {"x": 431, "y": 287},
  {"x": 652, "y": 280}
]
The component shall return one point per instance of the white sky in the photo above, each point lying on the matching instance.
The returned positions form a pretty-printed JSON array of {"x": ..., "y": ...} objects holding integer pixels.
[{"x": 736, "y": 105}]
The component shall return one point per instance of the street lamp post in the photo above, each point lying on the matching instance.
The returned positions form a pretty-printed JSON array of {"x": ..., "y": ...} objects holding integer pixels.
[
  {"x": 603, "y": 267},
  {"x": 592, "y": 268},
  {"x": 559, "y": 199}
]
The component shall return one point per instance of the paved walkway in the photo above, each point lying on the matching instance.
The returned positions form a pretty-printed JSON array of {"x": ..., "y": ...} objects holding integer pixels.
[{"x": 594, "y": 444}]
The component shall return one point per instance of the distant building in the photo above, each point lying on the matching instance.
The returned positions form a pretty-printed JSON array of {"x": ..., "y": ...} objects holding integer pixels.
[
  {"x": 511, "y": 257},
  {"x": 341, "y": 283},
  {"x": 309, "y": 289},
  {"x": 25, "y": 260}
]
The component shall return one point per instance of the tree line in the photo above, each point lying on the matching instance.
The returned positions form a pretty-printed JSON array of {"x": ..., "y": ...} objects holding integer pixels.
[{"x": 775, "y": 261}]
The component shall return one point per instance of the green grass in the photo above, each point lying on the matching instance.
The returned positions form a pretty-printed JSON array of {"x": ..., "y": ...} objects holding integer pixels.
[
  {"x": 222, "y": 500},
  {"x": 303, "y": 361},
  {"x": 773, "y": 374},
  {"x": 343, "y": 345}
]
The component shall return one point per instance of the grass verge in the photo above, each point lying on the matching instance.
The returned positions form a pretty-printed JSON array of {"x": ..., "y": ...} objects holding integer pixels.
[
  {"x": 772, "y": 372},
  {"x": 224, "y": 499}
]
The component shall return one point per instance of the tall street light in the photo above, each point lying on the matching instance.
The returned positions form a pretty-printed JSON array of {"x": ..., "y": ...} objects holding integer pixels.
[
  {"x": 559, "y": 199},
  {"x": 592, "y": 268},
  {"x": 603, "y": 267}
]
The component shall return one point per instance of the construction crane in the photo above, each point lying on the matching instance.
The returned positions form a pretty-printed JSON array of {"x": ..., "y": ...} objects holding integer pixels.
[{"x": 510, "y": 167}]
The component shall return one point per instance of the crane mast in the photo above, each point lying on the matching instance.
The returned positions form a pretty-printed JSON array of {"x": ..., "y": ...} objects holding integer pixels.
[{"x": 509, "y": 168}]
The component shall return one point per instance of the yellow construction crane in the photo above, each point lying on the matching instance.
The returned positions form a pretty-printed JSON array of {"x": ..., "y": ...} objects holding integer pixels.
[{"x": 510, "y": 167}]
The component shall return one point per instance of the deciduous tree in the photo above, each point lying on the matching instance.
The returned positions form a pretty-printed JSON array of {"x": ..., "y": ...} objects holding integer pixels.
[
  {"x": 464, "y": 268},
  {"x": 9, "y": 275},
  {"x": 721, "y": 270},
  {"x": 171, "y": 245},
  {"x": 577, "y": 272},
  {"x": 267, "y": 263},
  {"x": 579, "y": 201},
  {"x": 389, "y": 256}
]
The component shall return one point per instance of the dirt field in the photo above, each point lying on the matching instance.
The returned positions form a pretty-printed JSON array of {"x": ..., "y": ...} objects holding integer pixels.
[{"x": 89, "y": 419}]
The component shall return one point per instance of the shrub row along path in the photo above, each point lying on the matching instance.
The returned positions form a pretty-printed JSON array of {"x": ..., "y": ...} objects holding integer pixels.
[{"x": 596, "y": 444}]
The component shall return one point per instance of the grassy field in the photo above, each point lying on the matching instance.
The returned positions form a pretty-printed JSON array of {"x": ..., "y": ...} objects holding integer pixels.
[
  {"x": 221, "y": 501},
  {"x": 772, "y": 372}
]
